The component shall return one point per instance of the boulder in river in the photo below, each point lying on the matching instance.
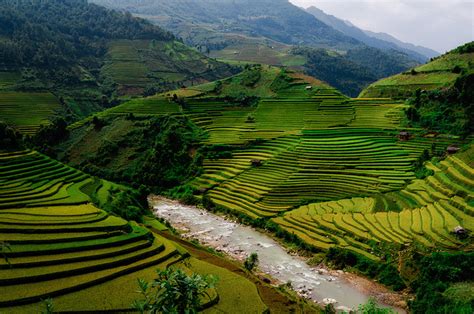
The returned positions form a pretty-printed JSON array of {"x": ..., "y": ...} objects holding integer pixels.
[{"x": 329, "y": 301}]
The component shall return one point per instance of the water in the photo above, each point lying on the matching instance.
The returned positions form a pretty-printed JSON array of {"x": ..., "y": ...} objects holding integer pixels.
[{"x": 240, "y": 241}]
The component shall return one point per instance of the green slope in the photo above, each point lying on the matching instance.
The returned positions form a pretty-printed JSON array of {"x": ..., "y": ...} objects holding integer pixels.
[
  {"x": 441, "y": 72},
  {"x": 88, "y": 57},
  {"x": 56, "y": 244}
]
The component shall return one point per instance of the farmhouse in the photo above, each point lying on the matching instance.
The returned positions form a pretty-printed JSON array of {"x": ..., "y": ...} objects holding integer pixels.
[
  {"x": 256, "y": 162},
  {"x": 452, "y": 149},
  {"x": 404, "y": 136},
  {"x": 459, "y": 230}
]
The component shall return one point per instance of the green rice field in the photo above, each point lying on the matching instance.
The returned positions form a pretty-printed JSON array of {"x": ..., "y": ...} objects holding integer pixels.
[
  {"x": 58, "y": 245},
  {"x": 27, "y": 111}
]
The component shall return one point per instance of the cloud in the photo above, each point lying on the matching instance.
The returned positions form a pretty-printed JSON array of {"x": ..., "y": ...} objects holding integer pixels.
[{"x": 438, "y": 24}]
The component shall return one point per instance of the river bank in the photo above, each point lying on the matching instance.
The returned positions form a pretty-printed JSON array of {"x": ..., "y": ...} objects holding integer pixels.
[{"x": 346, "y": 291}]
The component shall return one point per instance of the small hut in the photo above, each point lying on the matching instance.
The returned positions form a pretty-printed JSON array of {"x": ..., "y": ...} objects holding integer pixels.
[
  {"x": 404, "y": 136},
  {"x": 309, "y": 87},
  {"x": 256, "y": 162},
  {"x": 452, "y": 149},
  {"x": 459, "y": 231}
]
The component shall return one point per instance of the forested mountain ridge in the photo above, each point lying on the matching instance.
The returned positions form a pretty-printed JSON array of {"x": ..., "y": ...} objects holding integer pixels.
[
  {"x": 58, "y": 33},
  {"x": 278, "y": 20},
  {"x": 81, "y": 58},
  {"x": 275, "y": 33}
]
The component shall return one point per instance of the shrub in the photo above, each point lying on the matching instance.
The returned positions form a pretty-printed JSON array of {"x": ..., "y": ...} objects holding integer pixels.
[
  {"x": 385, "y": 272},
  {"x": 371, "y": 307},
  {"x": 251, "y": 262},
  {"x": 9, "y": 137},
  {"x": 173, "y": 291},
  {"x": 439, "y": 272}
]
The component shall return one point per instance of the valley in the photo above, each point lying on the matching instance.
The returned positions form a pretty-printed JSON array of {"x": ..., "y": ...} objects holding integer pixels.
[{"x": 272, "y": 162}]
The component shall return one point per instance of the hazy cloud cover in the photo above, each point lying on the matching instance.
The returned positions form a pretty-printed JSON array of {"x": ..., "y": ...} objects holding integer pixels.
[{"x": 438, "y": 24}]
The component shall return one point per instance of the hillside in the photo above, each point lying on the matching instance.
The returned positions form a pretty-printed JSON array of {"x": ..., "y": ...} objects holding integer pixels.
[
  {"x": 277, "y": 20},
  {"x": 61, "y": 246},
  {"x": 289, "y": 153},
  {"x": 439, "y": 73},
  {"x": 273, "y": 33},
  {"x": 73, "y": 58}
]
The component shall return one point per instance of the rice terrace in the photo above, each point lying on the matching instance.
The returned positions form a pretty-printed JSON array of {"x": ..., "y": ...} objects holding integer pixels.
[{"x": 231, "y": 157}]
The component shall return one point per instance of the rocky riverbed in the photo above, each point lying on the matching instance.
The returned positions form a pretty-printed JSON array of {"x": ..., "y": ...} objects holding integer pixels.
[{"x": 345, "y": 291}]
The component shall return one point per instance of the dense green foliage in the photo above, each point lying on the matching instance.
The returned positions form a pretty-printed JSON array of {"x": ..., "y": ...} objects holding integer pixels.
[
  {"x": 162, "y": 153},
  {"x": 278, "y": 20},
  {"x": 128, "y": 203},
  {"x": 381, "y": 63},
  {"x": 170, "y": 160},
  {"x": 466, "y": 48},
  {"x": 340, "y": 72},
  {"x": 50, "y": 135},
  {"x": 173, "y": 291},
  {"x": 9, "y": 137},
  {"x": 89, "y": 57},
  {"x": 251, "y": 262},
  {"x": 59, "y": 33},
  {"x": 448, "y": 110},
  {"x": 439, "y": 272},
  {"x": 384, "y": 272}
]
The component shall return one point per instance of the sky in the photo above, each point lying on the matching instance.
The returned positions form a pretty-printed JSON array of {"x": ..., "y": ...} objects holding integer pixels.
[{"x": 437, "y": 24}]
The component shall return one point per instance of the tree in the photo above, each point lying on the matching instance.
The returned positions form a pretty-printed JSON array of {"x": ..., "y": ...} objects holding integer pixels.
[
  {"x": 173, "y": 292},
  {"x": 251, "y": 262},
  {"x": 48, "y": 306}
]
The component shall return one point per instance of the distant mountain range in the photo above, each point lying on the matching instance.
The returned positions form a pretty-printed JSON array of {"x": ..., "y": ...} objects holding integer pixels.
[
  {"x": 378, "y": 40},
  {"x": 279, "y": 33},
  {"x": 274, "y": 19}
]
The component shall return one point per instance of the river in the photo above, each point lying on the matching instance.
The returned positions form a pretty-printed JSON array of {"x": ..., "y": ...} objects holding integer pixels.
[{"x": 239, "y": 241}]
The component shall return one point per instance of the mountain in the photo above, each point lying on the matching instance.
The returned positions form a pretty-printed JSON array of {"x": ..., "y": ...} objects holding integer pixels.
[
  {"x": 274, "y": 19},
  {"x": 273, "y": 32},
  {"x": 377, "y": 40},
  {"x": 74, "y": 58},
  {"x": 429, "y": 53}
]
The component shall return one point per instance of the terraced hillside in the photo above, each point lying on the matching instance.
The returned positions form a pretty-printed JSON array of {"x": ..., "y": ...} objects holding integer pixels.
[
  {"x": 424, "y": 212},
  {"x": 440, "y": 72},
  {"x": 72, "y": 59},
  {"x": 27, "y": 111},
  {"x": 55, "y": 243},
  {"x": 302, "y": 142},
  {"x": 136, "y": 65}
]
